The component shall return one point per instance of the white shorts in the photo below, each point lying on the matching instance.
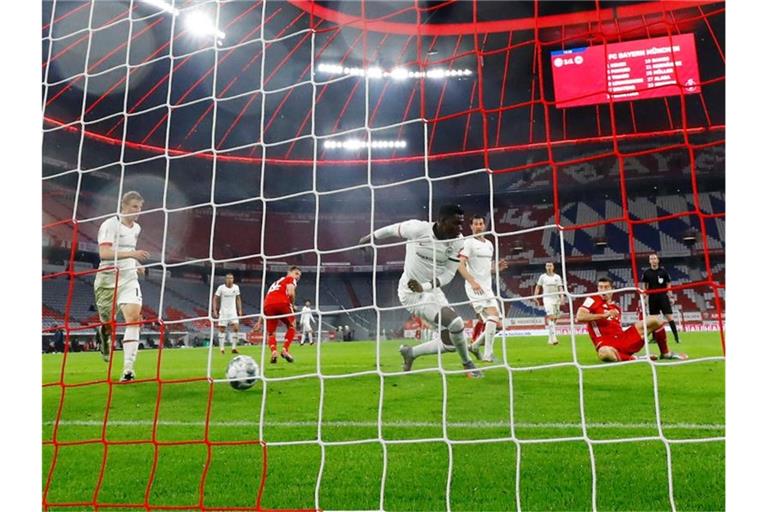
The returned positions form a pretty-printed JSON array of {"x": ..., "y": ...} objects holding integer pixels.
[
  {"x": 425, "y": 305},
  {"x": 129, "y": 293},
  {"x": 306, "y": 327},
  {"x": 226, "y": 319},
  {"x": 482, "y": 301},
  {"x": 551, "y": 307}
]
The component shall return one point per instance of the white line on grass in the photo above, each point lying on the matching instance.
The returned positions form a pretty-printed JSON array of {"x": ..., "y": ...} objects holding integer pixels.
[{"x": 394, "y": 424}]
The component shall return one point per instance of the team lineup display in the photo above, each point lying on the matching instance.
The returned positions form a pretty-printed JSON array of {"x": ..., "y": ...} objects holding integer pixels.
[{"x": 383, "y": 256}]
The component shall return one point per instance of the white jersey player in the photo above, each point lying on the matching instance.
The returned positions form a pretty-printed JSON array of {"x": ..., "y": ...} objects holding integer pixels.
[
  {"x": 552, "y": 287},
  {"x": 117, "y": 240},
  {"x": 431, "y": 261},
  {"x": 228, "y": 307},
  {"x": 477, "y": 265},
  {"x": 306, "y": 321}
]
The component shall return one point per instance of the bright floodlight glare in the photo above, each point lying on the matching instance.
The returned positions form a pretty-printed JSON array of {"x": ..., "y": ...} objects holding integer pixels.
[
  {"x": 397, "y": 73},
  {"x": 355, "y": 144},
  {"x": 199, "y": 23},
  {"x": 162, "y": 6}
]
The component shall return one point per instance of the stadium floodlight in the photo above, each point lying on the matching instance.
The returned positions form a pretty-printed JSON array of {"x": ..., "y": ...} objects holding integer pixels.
[
  {"x": 199, "y": 23},
  {"x": 162, "y": 6},
  {"x": 397, "y": 73},
  {"x": 354, "y": 144}
]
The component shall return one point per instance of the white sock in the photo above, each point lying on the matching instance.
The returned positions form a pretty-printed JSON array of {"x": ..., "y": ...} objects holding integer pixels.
[
  {"x": 551, "y": 327},
  {"x": 233, "y": 339},
  {"x": 130, "y": 349},
  {"x": 428, "y": 347},
  {"x": 458, "y": 340},
  {"x": 309, "y": 334},
  {"x": 488, "y": 334}
]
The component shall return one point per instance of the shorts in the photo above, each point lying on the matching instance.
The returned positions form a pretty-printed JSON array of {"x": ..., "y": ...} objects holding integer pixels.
[
  {"x": 551, "y": 307},
  {"x": 480, "y": 302},
  {"x": 659, "y": 303},
  {"x": 278, "y": 309},
  {"x": 127, "y": 293},
  {"x": 628, "y": 342},
  {"x": 425, "y": 305},
  {"x": 306, "y": 327},
  {"x": 227, "y": 319}
]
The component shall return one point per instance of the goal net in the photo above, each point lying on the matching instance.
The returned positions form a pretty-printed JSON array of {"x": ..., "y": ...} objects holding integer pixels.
[{"x": 267, "y": 134}]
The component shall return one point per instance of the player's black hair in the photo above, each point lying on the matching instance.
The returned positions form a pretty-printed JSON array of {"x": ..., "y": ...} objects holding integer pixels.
[
  {"x": 605, "y": 279},
  {"x": 294, "y": 267},
  {"x": 449, "y": 210},
  {"x": 548, "y": 262},
  {"x": 477, "y": 216},
  {"x": 229, "y": 274}
]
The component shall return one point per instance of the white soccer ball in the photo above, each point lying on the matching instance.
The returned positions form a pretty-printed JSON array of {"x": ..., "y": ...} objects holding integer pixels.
[{"x": 242, "y": 372}]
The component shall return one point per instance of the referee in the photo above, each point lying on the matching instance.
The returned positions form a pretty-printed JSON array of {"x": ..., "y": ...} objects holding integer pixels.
[{"x": 657, "y": 278}]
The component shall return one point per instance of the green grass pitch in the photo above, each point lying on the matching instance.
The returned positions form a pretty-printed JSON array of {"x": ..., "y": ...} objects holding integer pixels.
[{"x": 544, "y": 406}]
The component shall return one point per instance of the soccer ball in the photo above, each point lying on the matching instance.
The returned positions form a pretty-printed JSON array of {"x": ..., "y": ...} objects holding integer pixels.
[{"x": 242, "y": 372}]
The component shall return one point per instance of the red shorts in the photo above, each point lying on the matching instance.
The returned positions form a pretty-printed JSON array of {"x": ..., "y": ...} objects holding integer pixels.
[
  {"x": 628, "y": 342},
  {"x": 275, "y": 310}
]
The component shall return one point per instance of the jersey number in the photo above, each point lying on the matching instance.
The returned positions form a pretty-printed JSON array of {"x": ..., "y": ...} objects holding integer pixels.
[{"x": 276, "y": 285}]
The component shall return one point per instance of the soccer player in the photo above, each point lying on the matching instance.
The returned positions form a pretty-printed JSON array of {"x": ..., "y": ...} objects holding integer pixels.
[
  {"x": 612, "y": 342},
  {"x": 552, "y": 286},
  {"x": 475, "y": 266},
  {"x": 228, "y": 306},
  {"x": 117, "y": 240},
  {"x": 431, "y": 261},
  {"x": 279, "y": 301},
  {"x": 657, "y": 278},
  {"x": 306, "y": 323}
]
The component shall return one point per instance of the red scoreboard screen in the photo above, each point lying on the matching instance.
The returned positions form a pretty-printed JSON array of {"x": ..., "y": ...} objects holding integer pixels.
[{"x": 631, "y": 70}]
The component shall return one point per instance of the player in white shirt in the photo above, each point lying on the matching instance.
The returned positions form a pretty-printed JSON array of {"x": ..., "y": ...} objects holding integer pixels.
[
  {"x": 431, "y": 260},
  {"x": 227, "y": 307},
  {"x": 476, "y": 267},
  {"x": 306, "y": 322},
  {"x": 117, "y": 240},
  {"x": 552, "y": 286}
]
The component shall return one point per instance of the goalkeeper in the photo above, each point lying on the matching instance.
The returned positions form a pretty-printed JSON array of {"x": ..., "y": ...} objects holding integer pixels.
[{"x": 431, "y": 261}]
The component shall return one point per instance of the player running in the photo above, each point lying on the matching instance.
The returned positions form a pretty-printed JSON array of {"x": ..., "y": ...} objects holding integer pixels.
[
  {"x": 227, "y": 307},
  {"x": 603, "y": 319},
  {"x": 431, "y": 261},
  {"x": 279, "y": 302},
  {"x": 117, "y": 240},
  {"x": 476, "y": 265},
  {"x": 552, "y": 286},
  {"x": 657, "y": 278},
  {"x": 306, "y": 321}
]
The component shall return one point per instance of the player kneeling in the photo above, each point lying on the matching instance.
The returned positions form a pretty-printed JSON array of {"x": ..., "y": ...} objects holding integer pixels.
[{"x": 613, "y": 344}]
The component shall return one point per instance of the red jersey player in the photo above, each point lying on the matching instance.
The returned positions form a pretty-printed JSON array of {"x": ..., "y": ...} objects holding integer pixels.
[
  {"x": 279, "y": 302},
  {"x": 612, "y": 342}
]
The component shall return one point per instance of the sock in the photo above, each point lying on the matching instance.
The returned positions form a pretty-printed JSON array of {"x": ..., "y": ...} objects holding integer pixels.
[
  {"x": 233, "y": 339},
  {"x": 674, "y": 330},
  {"x": 221, "y": 340},
  {"x": 289, "y": 335},
  {"x": 272, "y": 342},
  {"x": 456, "y": 332},
  {"x": 310, "y": 337},
  {"x": 477, "y": 330},
  {"x": 551, "y": 328},
  {"x": 660, "y": 335},
  {"x": 428, "y": 347},
  {"x": 490, "y": 331},
  {"x": 130, "y": 349}
]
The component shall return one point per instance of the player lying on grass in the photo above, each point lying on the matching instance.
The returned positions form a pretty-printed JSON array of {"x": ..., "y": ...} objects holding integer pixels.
[
  {"x": 431, "y": 261},
  {"x": 612, "y": 342},
  {"x": 279, "y": 302}
]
